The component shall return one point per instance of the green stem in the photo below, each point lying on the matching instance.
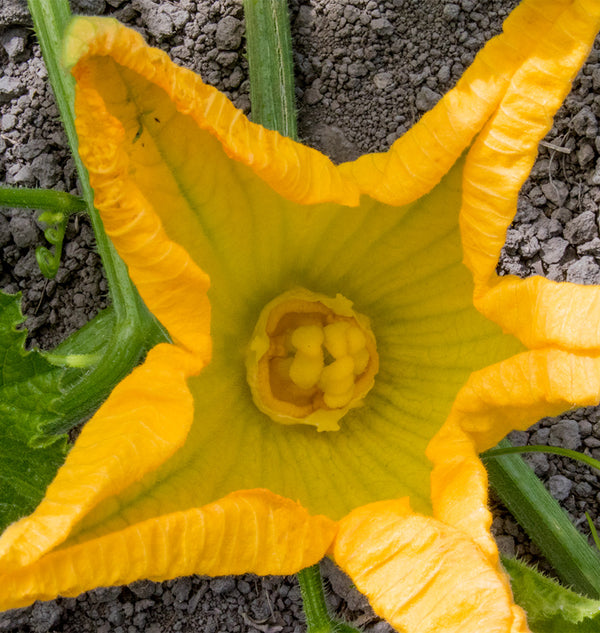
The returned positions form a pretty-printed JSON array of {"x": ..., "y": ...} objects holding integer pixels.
[
  {"x": 269, "y": 47},
  {"x": 313, "y": 598},
  {"x": 593, "y": 531},
  {"x": 45, "y": 199},
  {"x": 57, "y": 207},
  {"x": 317, "y": 615},
  {"x": 134, "y": 329},
  {"x": 50, "y": 18},
  {"x": 553, "y": 450},
  {"x": 548, "y": 526}
]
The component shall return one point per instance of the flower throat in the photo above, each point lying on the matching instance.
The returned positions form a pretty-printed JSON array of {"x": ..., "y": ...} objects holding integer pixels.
[{"x": 311, "y": 359}]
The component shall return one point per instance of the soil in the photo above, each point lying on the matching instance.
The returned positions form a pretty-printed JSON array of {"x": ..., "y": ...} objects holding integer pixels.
[{"x": 366, "y": 70}]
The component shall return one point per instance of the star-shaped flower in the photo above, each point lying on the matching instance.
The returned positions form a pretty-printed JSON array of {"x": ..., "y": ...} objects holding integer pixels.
[{"x": 338, "y": 299}]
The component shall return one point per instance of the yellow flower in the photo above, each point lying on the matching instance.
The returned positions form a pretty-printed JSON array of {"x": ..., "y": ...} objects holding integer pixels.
[{"x": 338, "y": 300}]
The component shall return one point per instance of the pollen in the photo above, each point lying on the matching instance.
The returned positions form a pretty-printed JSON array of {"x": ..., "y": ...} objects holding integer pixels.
[{"x": 311, "y": 359}]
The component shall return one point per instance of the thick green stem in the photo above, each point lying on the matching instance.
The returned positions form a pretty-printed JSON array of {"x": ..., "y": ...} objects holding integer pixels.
[
  {"x": 548, "y": 526},
  {"x": 317, "y": 615},
  {"x": 44, "y": 199},
  {"x": 269, "y": 47}
]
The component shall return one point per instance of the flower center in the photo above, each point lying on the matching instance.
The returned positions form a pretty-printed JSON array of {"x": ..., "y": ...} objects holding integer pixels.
[{"x": 311, "y": 359}]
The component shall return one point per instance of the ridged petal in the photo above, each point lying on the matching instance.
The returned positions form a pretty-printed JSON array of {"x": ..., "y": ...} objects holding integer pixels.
[
  {"x": 154, "y": 262},
  {"x": 422, "y": 575},
  {"x": 513, "y": 394},
  {"x": 292, "y": 169},
  {"x": 144, "y": 421},
  {"x": 418, "y": 160},
  {"x": 248, "y": 531},
  {"x": 540, "y": 312}
]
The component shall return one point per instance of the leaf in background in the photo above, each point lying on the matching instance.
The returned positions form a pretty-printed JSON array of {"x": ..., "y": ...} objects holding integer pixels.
[
  {"x": 550, "y": 607},
  {"x": 29, "y": 384}
]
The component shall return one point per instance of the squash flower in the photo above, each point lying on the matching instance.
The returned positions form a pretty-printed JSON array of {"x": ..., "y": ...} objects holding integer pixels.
[{"x": 342, "y": 347}]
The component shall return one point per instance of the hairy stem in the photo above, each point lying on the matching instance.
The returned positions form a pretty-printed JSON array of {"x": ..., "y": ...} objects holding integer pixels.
[
  {"x": 317, "y": 615},
  {"x": 549, "y": 527}
]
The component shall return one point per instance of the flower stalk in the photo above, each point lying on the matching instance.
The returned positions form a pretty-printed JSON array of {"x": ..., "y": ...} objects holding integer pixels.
[
  {"x": 317, "y": 615},
  {"x": 269, "y": 49}
]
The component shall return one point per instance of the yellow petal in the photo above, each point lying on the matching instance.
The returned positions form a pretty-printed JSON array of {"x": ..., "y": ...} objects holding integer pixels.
[
  {"x": 274, "y": 158},
  {"x": 513, "y": 394},
  {"x": 422, "y": 575},
  {"x": 249, "y": 531},
  {"x": 143, "y": 422},
  {"x": 539, "y": 311},
  {"x": 154, "y": 262},
  {"x": 569, "y": 318},
  {"x": 418, "y": 160}
]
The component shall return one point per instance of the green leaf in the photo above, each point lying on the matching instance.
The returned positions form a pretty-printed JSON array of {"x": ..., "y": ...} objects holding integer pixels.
[
  {"x": 25, "y": 473},
  {"x": 45, "y": 394},
  {"x": 29, "y": 385},
  {"x": 550, "y": 607}
]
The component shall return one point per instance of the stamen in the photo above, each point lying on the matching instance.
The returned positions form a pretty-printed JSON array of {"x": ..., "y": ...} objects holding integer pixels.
[
  {"x": 336, "y": 341},
  {"x": 305, "y": 370}
]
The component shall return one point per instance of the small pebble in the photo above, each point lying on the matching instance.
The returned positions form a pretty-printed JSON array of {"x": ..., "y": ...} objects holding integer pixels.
[{"x": 560, "y": 487}]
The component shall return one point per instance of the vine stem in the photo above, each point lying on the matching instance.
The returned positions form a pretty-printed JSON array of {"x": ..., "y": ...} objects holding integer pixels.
[
  {"x": 134, "y": 330},
  {"x": 45, "y": 199}
]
